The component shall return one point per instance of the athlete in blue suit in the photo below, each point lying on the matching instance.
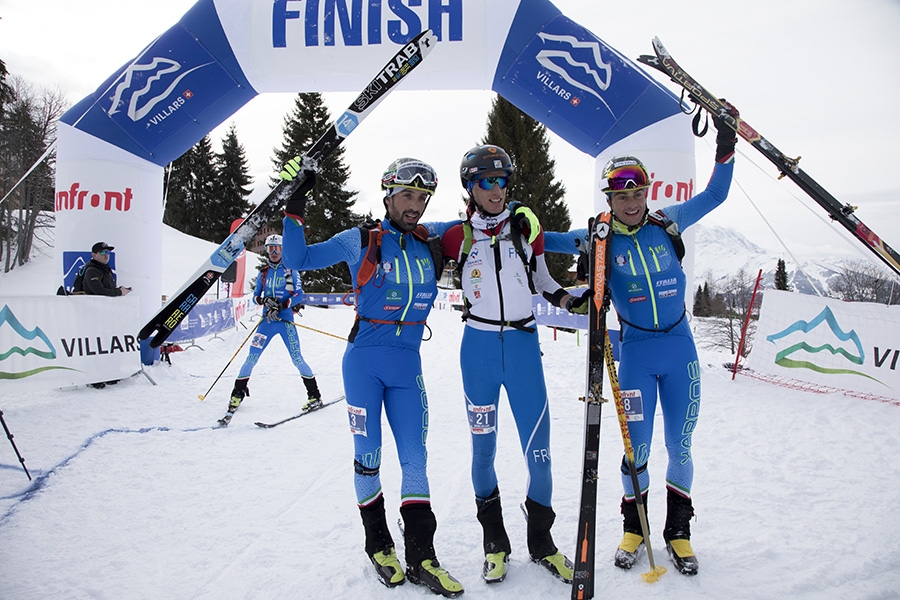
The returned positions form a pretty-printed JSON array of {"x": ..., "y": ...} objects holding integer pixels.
[
  {"x": 658, "y": 355},
  {"x": 396, "y": 282},
  {"x": 277, "y": 290}
]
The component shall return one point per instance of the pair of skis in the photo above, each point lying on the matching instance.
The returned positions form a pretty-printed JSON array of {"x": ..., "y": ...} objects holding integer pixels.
[
  {"x": 176, "y": 309},
  {"x": 224, "y": 421}
]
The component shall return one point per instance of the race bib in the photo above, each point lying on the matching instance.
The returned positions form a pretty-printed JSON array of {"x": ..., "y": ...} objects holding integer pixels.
[
  {"x": 482, "y": 419},
  {"x": 357, "y": 420},
  {"x": 634, "y": 405}
]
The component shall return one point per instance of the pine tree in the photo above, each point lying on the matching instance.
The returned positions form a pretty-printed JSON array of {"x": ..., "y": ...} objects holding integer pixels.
[
  {"x": 700, "y": 308},
  {"x": 781, "y": 278},
  {"x": 532, "y": 183},
  {"x": 329, "y": 208},
  {"x": 230, "y": 184},
  {"x": 191, "y": 190}
]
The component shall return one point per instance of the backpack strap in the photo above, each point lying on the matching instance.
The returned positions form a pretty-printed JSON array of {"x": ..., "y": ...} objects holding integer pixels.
[{"x": 660, "y": 219}]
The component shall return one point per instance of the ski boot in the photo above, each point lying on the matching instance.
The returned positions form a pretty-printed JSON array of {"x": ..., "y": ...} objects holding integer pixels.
[
  {"x": 380, "y": 545},
  {"x": 540, "y": 543},
  {"x": 496, "y": 541},
  {"x": 238, "y": 394},
  {"x": 677, "y": 533},
  {"x": 430, "y": 574},
  {"x": 632, "y": 545},
  {"x": 422, "y": 566},
  {"x": 314, "y": 397}
]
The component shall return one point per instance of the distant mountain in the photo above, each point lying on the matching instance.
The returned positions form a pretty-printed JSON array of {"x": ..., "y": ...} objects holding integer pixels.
[{"x": 721, "y": 252}]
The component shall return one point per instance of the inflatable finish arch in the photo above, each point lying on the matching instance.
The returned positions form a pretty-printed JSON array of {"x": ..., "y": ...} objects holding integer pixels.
[{"x": 114, "y": 144}]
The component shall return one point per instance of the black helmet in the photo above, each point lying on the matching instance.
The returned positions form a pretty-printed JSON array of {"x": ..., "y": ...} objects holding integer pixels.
[
  {"x": 482, "y": 159},
  {"x": 624, "y": 173}
]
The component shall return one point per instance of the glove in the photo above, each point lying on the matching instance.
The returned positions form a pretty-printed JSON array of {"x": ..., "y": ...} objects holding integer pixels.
[
  {"x": 579, "y": 304},
  {"x": 259, "y": 300},
  {"x": 524, "y": 219},
  {"x": 296, "y": 204},
  {"x": 726, "y": 137},
  {"x": 272, "y": 304}
]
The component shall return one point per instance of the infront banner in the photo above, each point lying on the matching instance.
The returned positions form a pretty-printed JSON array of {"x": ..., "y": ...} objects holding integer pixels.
[
  {"x": 114, "y": 144},
  {"x": 846, "y": 345},
  {"x": 57, "y": 341}
]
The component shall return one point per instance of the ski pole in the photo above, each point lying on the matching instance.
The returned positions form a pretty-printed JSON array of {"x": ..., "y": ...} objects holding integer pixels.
[
  {"x": 9, "y": 436},
  {"x": 296, "y": 324},
  {"x": 252, "y": 331},
  {"x": 655, "y": 572}
]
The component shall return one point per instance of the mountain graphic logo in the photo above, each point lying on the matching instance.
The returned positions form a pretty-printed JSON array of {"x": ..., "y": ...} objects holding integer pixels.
[
  {"x": 16, "y": 339},
  {"x": 806, "y": 351},
  {"x": 580, "y": 64},
  {"x": 145, "y": 85}
]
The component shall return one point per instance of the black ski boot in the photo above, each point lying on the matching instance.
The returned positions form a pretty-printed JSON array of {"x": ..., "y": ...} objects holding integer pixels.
[
  {"x": 496, "y": 542},
  {"x": 632, "y": 545},
  {"x": 238, "y": 394},
  {"x": 422, "y": 566},
  {"x": 380, "y": 544},
  {"x": 677, "y": 533},
  {"x": 313, "y": 396},
  {"x": 540, "y": 543}
]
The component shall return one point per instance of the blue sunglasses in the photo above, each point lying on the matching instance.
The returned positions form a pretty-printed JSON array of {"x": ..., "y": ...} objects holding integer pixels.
[{"x": 488, "y": 183}]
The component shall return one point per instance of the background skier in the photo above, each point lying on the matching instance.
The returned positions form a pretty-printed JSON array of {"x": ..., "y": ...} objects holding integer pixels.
[{"x": 277, "y": 290}]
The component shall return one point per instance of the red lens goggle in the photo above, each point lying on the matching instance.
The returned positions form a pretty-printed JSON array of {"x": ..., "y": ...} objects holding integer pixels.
[{"x": 626, "y": 178}]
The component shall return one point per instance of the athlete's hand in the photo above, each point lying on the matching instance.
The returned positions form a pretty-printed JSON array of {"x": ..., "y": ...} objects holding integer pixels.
[
  {"x": 272, "y": 304},
  {"x": 726, "y": 137},
  {"x": 525, "y": 220},
  {"x": 579, "y": 304},
  {"x": 294, "y": 168}
]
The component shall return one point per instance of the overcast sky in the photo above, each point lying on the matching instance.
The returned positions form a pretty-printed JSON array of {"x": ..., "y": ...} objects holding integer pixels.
[{"x": 817, "y": 78}]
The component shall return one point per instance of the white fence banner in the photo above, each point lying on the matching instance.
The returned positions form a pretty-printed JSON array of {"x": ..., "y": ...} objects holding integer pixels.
[
  {"x": 56, "y": 341},
  {"x": 848, "y": 345}
]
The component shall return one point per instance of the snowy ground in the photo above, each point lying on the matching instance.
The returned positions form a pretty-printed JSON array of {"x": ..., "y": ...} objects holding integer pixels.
[{"x": 137, "y": 495}]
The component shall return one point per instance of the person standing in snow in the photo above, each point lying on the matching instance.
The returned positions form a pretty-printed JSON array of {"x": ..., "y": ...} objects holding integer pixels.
[
  {"x": 499, "y": 249},
  {"x": 395, "y": 276},
  {"x": 658, "y": 356},
  {"x": 277, "y": 290}
]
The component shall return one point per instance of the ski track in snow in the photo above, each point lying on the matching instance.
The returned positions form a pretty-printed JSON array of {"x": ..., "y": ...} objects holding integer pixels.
[{"x": 137, "y": 495}]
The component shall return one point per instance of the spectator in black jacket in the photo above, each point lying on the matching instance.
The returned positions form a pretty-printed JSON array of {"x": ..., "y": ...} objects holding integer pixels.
[{"x": 99, "y": 279}]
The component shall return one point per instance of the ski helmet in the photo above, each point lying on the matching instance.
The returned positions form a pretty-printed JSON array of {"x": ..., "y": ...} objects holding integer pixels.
[
  {"x": 273, "y": 240},
  {"x": 624, "y": 173},
  {"x": 409, "y": 173},
  {"x": 483, "y": 159}
]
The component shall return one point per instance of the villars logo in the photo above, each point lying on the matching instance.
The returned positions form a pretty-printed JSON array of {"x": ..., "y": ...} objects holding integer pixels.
[
  {"x": 821, "y": 345},
  {"x": 16, "y": 339}
]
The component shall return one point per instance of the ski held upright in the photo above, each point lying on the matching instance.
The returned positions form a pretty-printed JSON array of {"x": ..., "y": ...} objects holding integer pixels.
[
  {"x": 180, "y": 304},
  {"x": 842, "y": 213}
]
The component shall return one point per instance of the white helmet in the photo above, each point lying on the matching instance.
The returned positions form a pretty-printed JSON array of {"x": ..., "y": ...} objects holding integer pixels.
[{"x": 273, "y": 240}]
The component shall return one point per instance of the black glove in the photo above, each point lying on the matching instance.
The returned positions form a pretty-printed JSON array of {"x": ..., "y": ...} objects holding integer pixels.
[
  {"x": 272, "y": 304},
  {"x": 296, "y": 204},
  {"x": 259, "y": 300},
  {"x": 726, "y": 137},
  {"x": 579, "y": 305}
]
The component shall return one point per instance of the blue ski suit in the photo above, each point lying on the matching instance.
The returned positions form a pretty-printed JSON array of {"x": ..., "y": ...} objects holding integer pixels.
[
  {"x": 382, "y": 368},
  {"x": 276, "y": 281},
  {"x": 658, "y": 355},
  {"x": 500, "y": 348}
]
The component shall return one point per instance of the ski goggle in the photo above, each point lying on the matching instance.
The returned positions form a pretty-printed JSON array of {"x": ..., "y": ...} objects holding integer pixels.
[
  {"x": 627, "y": 177},
  {"x": 271, "y": 249},
  {"x": 103, "y": 252},
  {"x": 488, "y": 183},
  {"x": 417, "y": 175}
]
